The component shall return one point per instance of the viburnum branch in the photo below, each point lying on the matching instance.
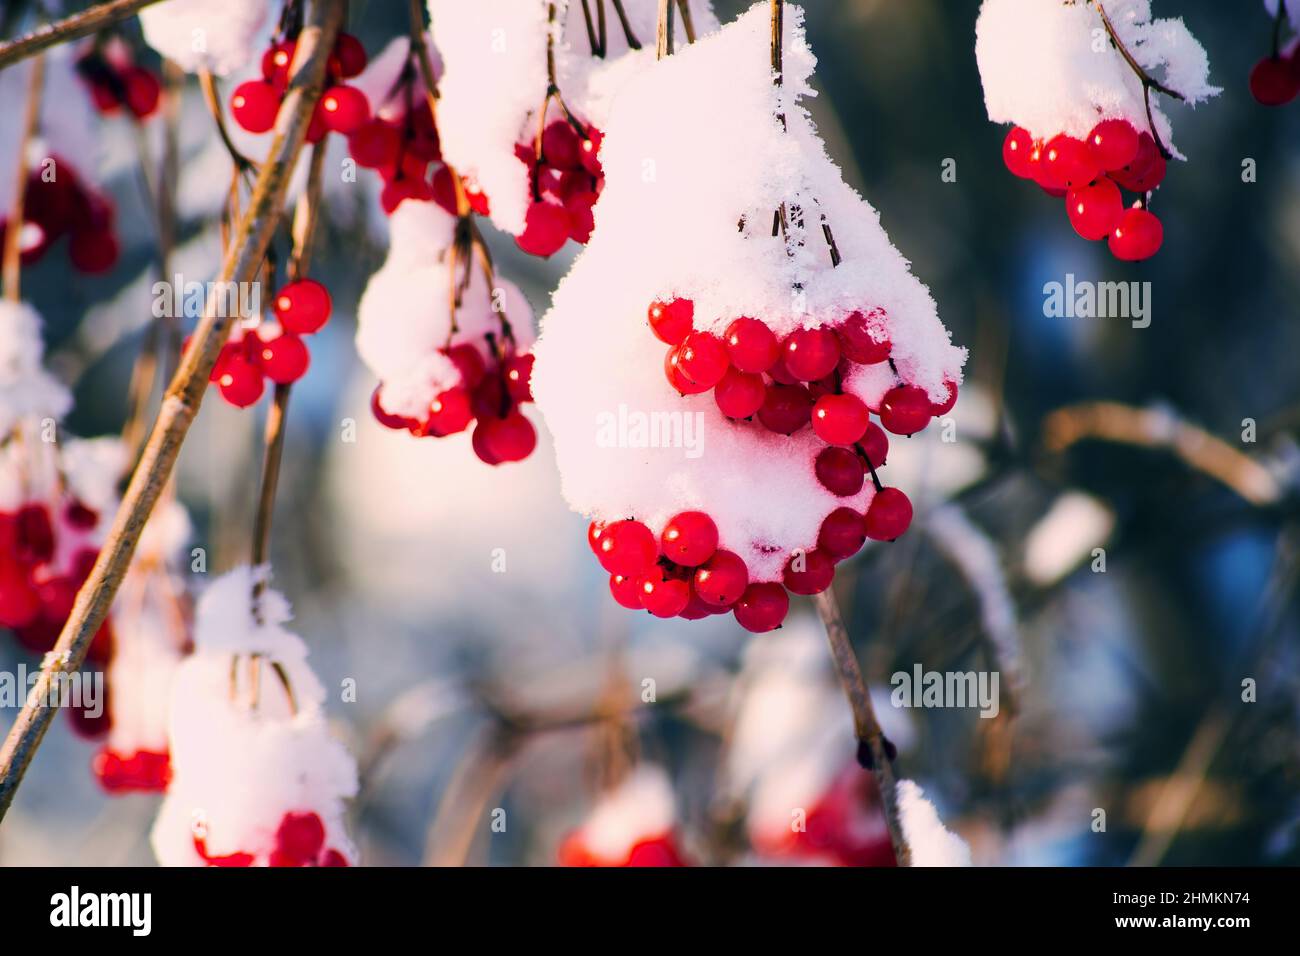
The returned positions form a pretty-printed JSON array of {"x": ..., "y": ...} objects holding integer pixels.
[
  {"x": 88, "y": 21},
  {"x": 632, "y": 41},
  {"x": 875, "y": 752},
  {"x": 1149, "y": 82},
  {"x": 181, "y": 403},
  {"x": 664, "y": 30},
  {"x": 13, "y": 249},
  {"x": 688, "y": 25},
  {"x": 596, "y": 49}
]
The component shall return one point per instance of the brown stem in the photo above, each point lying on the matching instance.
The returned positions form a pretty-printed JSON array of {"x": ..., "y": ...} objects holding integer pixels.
[
  {"x": 208, "y": 83},
  {"x": 88, "y": 21},
  {"x": 875, "y": 752},
  {"x": 13, "y": 250},
  {"x": 664, "y": 32},
  {"x": 591, "y": 30},
  {"x": 632, "y": 42},
  {"x": 688, "y": 25},
  {"x": 1149, "y": 82},
  {"x": 181, "y": 403}
]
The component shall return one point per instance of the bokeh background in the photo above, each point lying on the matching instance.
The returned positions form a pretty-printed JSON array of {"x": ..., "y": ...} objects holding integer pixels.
[{"x": 1122, "y": 689}]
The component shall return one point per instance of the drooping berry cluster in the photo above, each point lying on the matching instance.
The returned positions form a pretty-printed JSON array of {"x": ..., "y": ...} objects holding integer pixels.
[
  {"x": 58, "y": 202},
  {"x": 299, "y": 841},
  {"x": 488, "y": 396},
  {"x": 341, "y": 108},
  {"x": 275, "y": 351},
  {"x": 566, "y": 180},
  {"x": 1090, "y": 174},
  {"x": 115, "y": 81},
  {"x": 143, "y": 770}
]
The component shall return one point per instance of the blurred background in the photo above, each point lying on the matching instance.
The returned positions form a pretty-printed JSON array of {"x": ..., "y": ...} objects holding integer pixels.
[{"x": 523, "y": 690}]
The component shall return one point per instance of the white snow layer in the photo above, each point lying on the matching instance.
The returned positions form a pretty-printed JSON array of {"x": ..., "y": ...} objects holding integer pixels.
[
  {"x": 639, "y": 808},
  {"x": 216, "y": 35},
  {"x": 686, "y": 158},
  {"x": 931, "y": 844},
  {"x": 239, "y": 768},
  {"x": 1050, "y": 68},
  {"x": 26, "y": 389}
]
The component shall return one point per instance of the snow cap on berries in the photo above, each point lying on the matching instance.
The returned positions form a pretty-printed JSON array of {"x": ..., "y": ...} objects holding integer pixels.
[
  {"x": 240, "y": 767},
  {"x": 26, "y": 389},
  {"x": 641, "y": 807},
  {"x": 1079, "y": 79},
  {"x": 930, "y": 842},
  {"x": 216, "y": 35}
]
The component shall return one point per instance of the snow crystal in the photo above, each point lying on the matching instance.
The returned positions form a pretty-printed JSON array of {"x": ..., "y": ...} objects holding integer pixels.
[
  {"x": 640, "y": 807},
  {"x": 686, "y": 158},
  {"x": 1050, "y": 68},
  {"x": 216, "y": 35},
  {"x": 931, "y": 844}
]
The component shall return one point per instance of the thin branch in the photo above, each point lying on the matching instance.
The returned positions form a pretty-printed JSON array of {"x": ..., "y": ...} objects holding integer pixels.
[
  {"x": 208, "y": 83},
  {"x": 88, "y": 21},
  {"x": 688, "y": 25},
  {"x": 13, "y": 249},
  {"x": 1149, "y": 82},
  {"x": 632, "y": 42},
  {"x": 664, "y": 30},
  {"x": 875, "y": 752},
  {"x": 181, "y": 404}
]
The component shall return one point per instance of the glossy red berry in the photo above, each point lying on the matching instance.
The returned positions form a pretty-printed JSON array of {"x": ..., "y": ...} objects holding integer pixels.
[
  {"x": 839, "y": 419},
  {"x": 808, "y": 572},
  {"x": 702, "y": 359},
  {"x": 689, "y": 538},
  {"x": 1147, "y": 166},
  {"x": 375, "y": 145},
  {"x": 785, "y": 409},
  {"x": 276, "y": 62},
  {"x": 675, "y": 376},
  {"x": 739, "y": 394},
  {"x": 1274, "y": 82},
  {"x": 840, "y": 471},
  {"x": 546, "y": 230},
  {"x": 560, "y": 145},
  {"x": 254, "y": 105},
  {"x": 303, "y": 307},
  {"x": 1137, "y": 236},
  {"x": 240, "y": 382},
  {"x": 449, "y": 412},
  {"x": 344, "y": 109},
  {"x": 518, "y": 373},
  {"x": 762, "y": 607},
  {"x": 510, "y": 438},
  {"x": 1094, "y": 209},
  {"x": 283, "y": 359},
  {"x": 888, "y": 515},
  {"x": 863, "y": 339},
  {"x": 671, "y": 321},
  {"x": 589, "y": 151},
  {"x": 661, "y": 595},
  {"x": 1016, "y": 151},
  {"x": 947, "y": 405},
  {"x": 905, "y": 409},
  {"x": 625, "y": 591},
  {"x": 301, "y": 836},
  {"x": 1113, "y": 144},
  {"x": 721, "y": 580},
  {"x": 751, "y": 345},
  {"x": 348, "y": 58},
  {"x": 810, "y": 354},
  {"x": 1067, "y": 162},
  {"x": 627, "y": 548},
  {"x": 842, "y": 533}
]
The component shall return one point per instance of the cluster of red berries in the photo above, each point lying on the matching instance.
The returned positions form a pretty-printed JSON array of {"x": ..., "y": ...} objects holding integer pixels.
[
  {"x": 487, "y": 396},
  {"x": 115, "y": 82},
  {"x": 299, "y": 841},
  {"x": 253, "y": 355},
  {"x": 340, "y": 109},
  {"x": 1089, "y": 174},
  {"x": 1275, "y": 80},
  {"x": 142, "y": 771},
  {"x": 56, "y": 202},
  {"x": 566, "y": 180},
  {"x": 651, "y": 851},
  {"x": 36, "y": 597}
]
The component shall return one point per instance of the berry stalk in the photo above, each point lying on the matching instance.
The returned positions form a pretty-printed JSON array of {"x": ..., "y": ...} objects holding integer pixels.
[
  {"x": 12, "y": 261},
  {"x": 181, "y": 403},
  {"x": 1149, "y": 82}
]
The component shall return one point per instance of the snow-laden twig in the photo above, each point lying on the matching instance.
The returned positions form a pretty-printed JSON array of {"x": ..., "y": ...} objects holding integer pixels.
[
  {"x": 242, "y": 261},
  {"x": 88, "y": 21}
]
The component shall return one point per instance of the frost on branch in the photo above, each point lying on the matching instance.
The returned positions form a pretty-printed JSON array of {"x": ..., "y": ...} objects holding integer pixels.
[
  {"x": 931, "y": 844},
  {"x": 631, "y": 825},
  {"x": 687, "y": 159},
  {"x": 1048, "y": 66},
  {"x": 216, "y": 35},
  {"x": 257, "y": 777}
]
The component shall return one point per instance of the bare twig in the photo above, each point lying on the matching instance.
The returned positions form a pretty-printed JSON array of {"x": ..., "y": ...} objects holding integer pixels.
[
  {"x": 688, "y": 25},
  {"x": 88, "y": 21},
  {"x": 181, "y": 404},
  {"x": 12, "y": 267},
  {"x": 632, "y": 42},
  {"x": 664, "y": 31},
  {"x": 208, "y": 83}
]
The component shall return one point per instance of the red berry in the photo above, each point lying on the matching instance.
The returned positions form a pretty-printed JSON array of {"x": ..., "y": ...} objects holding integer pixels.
[
  {"x": 751, "y": 345},
  {"x": 671, "y": 321},
  {"x": 762, "y": 607},
  {"x": 594, "y": 532},
  {"x": 675, "y": 376},
  {"x": 581, "y": 220},
  {"x": 93, "y": 251},
  {"x": 302, "y": 307},
  {"x": 240, "y": 382},
  {"x": 689, "y": 538},
  {"x": 398, "y": 422},
  {"x": 842, "y": 533},
  {"x": 1113, "y": 144},
  {"x": 697, "y": 609},
  {"x": 863, "y": 339},
  {"x": 283, "y": 359},
  {"x": 1273, "y": 81},
  {"x": 739, "y": 394},
  {"x": 948, "y": 404},
  {"x": 469, "y": 362},
  {"x": 19, "y": 603},
  {"x": 1095, "y": 209},
  {"x": 840, "y": 471},
  {"x": 627, "y": 547},
  {"x": 1016, "y": 151},
  {"x": 376, "y": 144},
  {"x": 546, "y": 229},
  {"x": 344, "y": 109},
  {"x": 397, "y": 191},
  {"x": 839, "y": 419},
  {"x": 348, "y": 58},
  {"x": 300, "y": 836},
  {"x": 1067, "y": 162},
  {"x": 276, "y": 62},
  {"x": 1137, "y": 236},
  {"x": 905, "y": 409},
  {"x": 810, "y": 354},
  {"x": 702, "y": 359},
  {"x": 625, "y": 591},
  {"x": 808, "y": 573},
  {"x": 518, "y": 373},
  {"x": 254, "y": 105},
  {"x": 721, "y": 580},
  {"x": 560, "y": 145},
  {"x": 589, "y": 151},
  {"x": 142, "y": 91},
  {"x": 888, "y": 515},
  {"x": 449, "y": 412},
  {"x": 786, "y": 409},
  {"x": 33, "y": 534},
  {"x": 511, "y": 438},
  {"x": 1147, "y": 169},
  {"x": 663, "y": 596}
]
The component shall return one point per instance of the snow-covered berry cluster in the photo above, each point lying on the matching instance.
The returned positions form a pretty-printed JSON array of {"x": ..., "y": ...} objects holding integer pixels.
[
  {"x": 116, "y": 81},
  {"x": 1089, "y": 125},
  {"x": 1275, "y": 80},
  {"x": 632, "y": 824},
  {"x": 183, "y": 31},
  {"x": 566, "y": 179}
]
